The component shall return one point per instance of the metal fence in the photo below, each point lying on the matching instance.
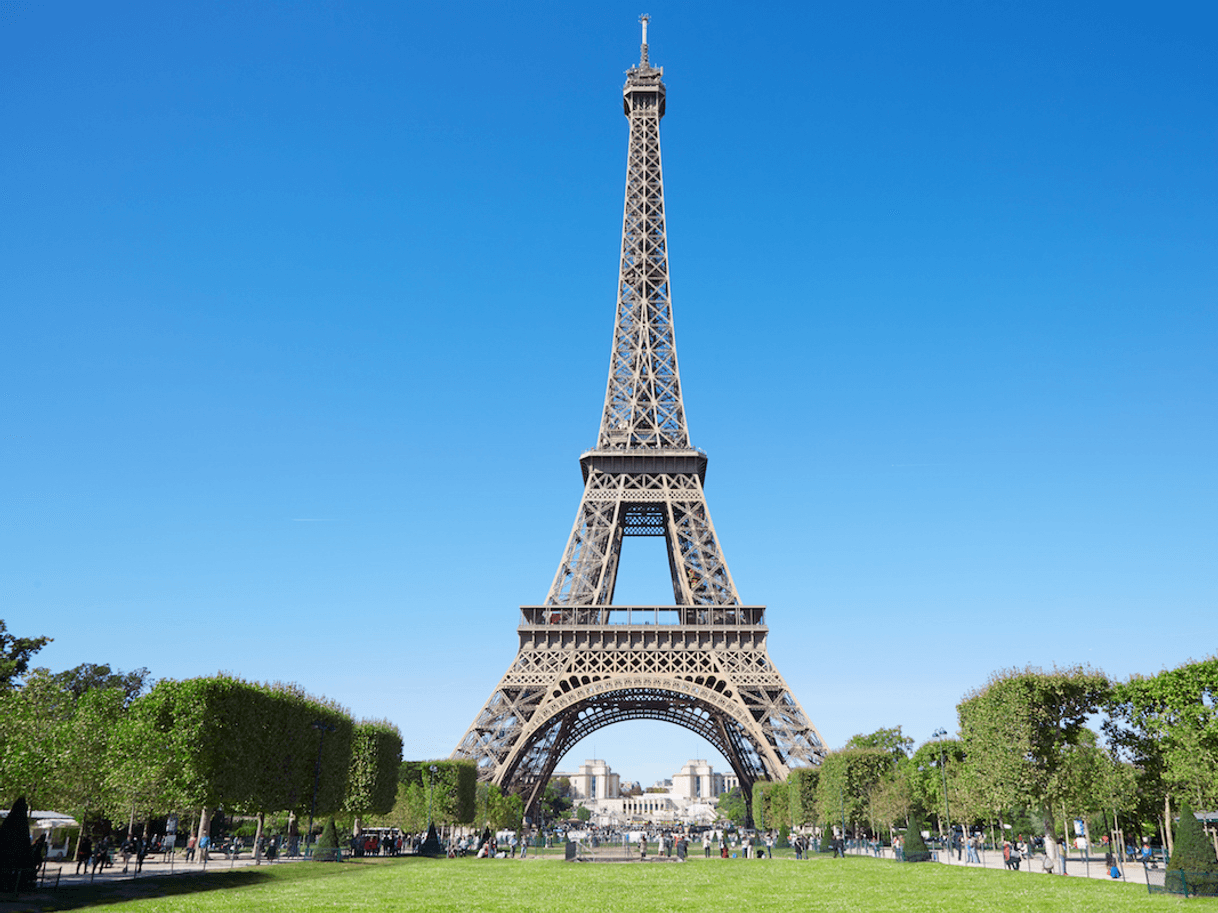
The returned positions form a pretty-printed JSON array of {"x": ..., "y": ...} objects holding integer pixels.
[{"x": 1189, "y": 884}]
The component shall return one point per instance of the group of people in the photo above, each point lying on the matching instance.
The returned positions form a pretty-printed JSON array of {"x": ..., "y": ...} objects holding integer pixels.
[
  {"x": 378, "y": 844},
  {"x": 91, "y": 856}
]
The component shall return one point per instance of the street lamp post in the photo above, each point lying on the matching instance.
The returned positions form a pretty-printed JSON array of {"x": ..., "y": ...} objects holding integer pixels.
[
  {"x": 322, "y": 727},
  {"x": 431, "y": 787},
  {"x": 841, "y": 799},
  {"x": 939, "y": 734}
]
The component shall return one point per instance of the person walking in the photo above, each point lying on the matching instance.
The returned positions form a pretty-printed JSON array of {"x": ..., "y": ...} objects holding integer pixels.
[
  {"x": 39, "y": 849},
  {"x": 84, "y": 852}
]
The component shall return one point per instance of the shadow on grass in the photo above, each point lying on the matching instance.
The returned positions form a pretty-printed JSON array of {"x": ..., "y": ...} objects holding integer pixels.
[{"x": 74, "y": 897}]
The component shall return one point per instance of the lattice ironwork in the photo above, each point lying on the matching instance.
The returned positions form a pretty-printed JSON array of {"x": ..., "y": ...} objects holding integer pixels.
[{"x": 585, "y": 663}]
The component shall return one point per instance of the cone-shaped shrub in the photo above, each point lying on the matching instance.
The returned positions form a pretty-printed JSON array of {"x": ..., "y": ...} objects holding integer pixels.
[
  {"x": 1193, "y": 868},
  {"x": 826, "y": 839},
  {"x": 16, "y": 851},
  {"x": 329, "y": 836},
  {"x": 326, "y": 849},
  {"x": 915, "y": 846},
  {"x": 432, "y": 845}
]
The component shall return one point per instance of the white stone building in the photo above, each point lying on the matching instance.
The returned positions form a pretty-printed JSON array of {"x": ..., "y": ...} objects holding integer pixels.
[
  {"x": 688, "y": 798},
  {"x": 595, "y": 781}
]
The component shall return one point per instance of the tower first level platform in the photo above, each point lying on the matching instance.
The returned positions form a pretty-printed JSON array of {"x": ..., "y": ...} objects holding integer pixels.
[{"x": 581, "y": 668}]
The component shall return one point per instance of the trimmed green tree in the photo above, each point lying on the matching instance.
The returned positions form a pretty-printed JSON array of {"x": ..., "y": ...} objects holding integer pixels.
[
  {"x": 253, "y": 748},
  {"x": 846, "y": 783},
  {"x": 376, "y": 758},
  {"x": 915, "y": 846},
  {"x": 1192, "y": 868},
  {"x": 453, "y": 789},
  {"x": 762, "y": 796},
  {"x": 1020, "y": 734},
  {"x": 801, "y": 795}
]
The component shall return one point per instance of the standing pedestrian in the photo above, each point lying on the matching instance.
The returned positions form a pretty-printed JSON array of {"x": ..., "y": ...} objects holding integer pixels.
[{"x": 972, "y": 843}]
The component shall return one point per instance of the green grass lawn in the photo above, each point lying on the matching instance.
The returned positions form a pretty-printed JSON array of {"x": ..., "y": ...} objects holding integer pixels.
[{"x": 553, "y": 886}]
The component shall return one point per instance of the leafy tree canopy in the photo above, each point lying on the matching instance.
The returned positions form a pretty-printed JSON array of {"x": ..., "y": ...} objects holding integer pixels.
[
  {"x": 847, "y": 781},
  {"x": 15, "y": 653},
  {"x": 376, "y": 758},
  {"x": 1167, "y": 725},
  {"x": 890, "y": 740},
  {"x": 732, "y": 806},
  {"x": 1018, "y": 730},
  {"x": 801, "y": 797},
  {"x": 556, "y": 800},
  {"x": 88, "y": 676}
]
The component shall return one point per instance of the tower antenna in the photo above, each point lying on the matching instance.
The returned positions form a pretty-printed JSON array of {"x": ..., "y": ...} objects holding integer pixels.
[{"x": 643, "y": 64}]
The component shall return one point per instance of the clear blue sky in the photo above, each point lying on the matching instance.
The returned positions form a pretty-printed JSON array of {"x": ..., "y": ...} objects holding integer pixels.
[{"x": 307, "y": 310}]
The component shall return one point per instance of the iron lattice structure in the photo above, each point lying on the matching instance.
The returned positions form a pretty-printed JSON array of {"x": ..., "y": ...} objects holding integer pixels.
[{"x": 585, "y": 663}]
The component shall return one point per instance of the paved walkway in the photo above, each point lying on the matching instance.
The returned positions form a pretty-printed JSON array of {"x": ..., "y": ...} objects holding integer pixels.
[
  {"x": 1075, "y": 866},
  {"x": 154, "y": 866},
  {"x": 158, "y": 866}
]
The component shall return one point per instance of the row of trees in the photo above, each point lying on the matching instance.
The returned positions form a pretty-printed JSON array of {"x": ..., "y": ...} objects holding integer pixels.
[
  {"x": 448, "y": 793},
  {"x": 1025, "y": 748},
  {"x": 88, "y": 742},
  {"x": 91, "y": 742}
]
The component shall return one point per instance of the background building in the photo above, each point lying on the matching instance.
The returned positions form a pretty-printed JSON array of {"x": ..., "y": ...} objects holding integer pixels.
[
  {"x": 688, "y": 798},
  {"x": 595, "y": 781}
]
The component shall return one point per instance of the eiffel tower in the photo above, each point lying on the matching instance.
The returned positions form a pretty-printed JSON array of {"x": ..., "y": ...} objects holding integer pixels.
[{"x": 585, "y": 663}]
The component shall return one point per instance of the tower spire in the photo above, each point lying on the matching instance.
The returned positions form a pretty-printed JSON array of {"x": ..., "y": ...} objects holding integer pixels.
[
  {"x": 643, "y": 407},
  {"x": 643, "y": 64}
]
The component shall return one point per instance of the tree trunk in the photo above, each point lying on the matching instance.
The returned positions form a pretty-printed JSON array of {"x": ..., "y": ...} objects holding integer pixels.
[
  {"x": 204, "y": 831},
  {"x": 1050, "y": 839},
  {"x": 258, "y": 839},
  {"x": 357, "y": 827},
  {"x": 1167, "y": 835},
  {"x": 1066, "y": 830}
]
